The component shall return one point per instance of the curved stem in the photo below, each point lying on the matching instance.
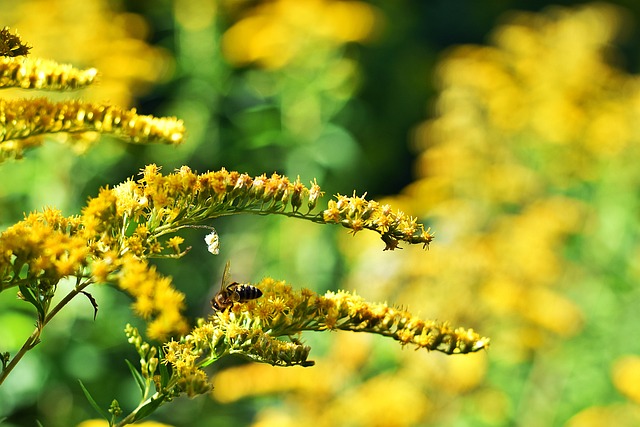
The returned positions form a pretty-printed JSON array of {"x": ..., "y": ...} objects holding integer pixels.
[
  {"x": 132, "y": 416},
  {"x": 193, "y": 222},
  {"x": 31, "y": 342},
  {"x": 34, "y": 338}
]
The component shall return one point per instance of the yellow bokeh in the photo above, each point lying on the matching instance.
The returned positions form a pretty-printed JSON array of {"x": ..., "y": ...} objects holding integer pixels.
[
  {"x": 626, "y": 376},
  {"x": 384, "y": 400},
  {"x": 274, "y": 33},
  {"x": 604, "y": 416}
]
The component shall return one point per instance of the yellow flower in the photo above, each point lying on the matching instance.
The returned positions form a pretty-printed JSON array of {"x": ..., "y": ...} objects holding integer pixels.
[
  {"x": 28, "y": 73},
  {"x": 175, "y": 242},
  {"x": 356, "y": 213},
  {"x": 46, "y": 244},
  {"x": 40, "y": 116},
  {"x": 155, "y": 298}
]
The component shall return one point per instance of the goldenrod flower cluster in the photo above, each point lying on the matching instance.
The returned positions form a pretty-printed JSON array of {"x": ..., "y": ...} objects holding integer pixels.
[
  {"x": 20, "y": 119},
  {"x": 16, "y": 70},
  {"x": 123, "y": 226},
  {"x": 155, "y": 383},
  {"x": 24, "y": 121},
  {"x": 99, "y": 35},
  {"x": 184, "y": 198},
  {"x": 252, "y": 328},
  {"x": 156, "y": 300},
  {"x": 357, "y": 213},
  {"x": 351, "y": 312},
  {"x": 27, "y": 73},
  {"x": 42, "y": 249}
]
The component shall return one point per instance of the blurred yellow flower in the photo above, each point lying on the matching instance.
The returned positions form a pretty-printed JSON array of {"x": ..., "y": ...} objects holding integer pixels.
[
  {"x": 626, "y": 376},
  {"x": 602, "y": 416},
  {"x": 275, "y": 32},
  {"x": 385, "y": 400},
  {"x": 260, "y": 379},
  {"x": 527, "y": 171}
]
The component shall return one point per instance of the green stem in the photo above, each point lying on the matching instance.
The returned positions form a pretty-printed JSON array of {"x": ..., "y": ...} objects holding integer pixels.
[
  {"x": 34, "y": 338},
  {"x": 132, "y": 416},
  {"x": 191, "y": 222},
  {"x": 31, "y": 342}
]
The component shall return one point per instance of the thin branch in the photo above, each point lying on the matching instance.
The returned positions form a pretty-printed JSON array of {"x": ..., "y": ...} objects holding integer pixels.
[
  {"x": 31, "y": 342},
  {"x": 34, "y": 338}
]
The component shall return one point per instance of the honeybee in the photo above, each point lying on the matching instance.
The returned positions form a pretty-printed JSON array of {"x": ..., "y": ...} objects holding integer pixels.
[{"x": 231, "y": 293}]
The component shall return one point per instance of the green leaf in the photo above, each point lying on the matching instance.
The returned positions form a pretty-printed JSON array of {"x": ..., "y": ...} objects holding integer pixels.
[
  {"x": 164, "y": 370},
  {"x": 29, "y": 296},
  {"x": 138, "y": 377},
  {"x": 39, "y": 423},
  {"x": 147, "y": 409},
  {"x": 93, "y": 402}
]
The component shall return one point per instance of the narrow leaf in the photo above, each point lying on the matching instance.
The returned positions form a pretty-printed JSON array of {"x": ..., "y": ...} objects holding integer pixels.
[
  {"x": 28, "y": 295},
  {"x": 147, "y": 409},
  {"x": 138, "y": 377},
  {"x": 93, "y": 402},
  {"x": 164, "y": 370}
]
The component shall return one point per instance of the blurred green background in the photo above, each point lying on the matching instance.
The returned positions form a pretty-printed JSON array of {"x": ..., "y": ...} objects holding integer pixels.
[{"x": 514, "y": 134}]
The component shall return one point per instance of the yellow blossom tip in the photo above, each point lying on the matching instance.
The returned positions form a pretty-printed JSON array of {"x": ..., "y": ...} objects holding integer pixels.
[
  {"x": 42, "y": 74},
  {"x": 357, "y": 213}
]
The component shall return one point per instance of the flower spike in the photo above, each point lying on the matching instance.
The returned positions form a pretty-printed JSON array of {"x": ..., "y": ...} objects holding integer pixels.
[
  {"x": 43, "y": 74},
  {"x": 253, "y": 327},
  {"x": 21, "y": 120}
]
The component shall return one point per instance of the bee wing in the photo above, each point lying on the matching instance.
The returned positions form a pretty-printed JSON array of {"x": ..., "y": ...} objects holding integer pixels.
[{"x": 225, "y": 276}]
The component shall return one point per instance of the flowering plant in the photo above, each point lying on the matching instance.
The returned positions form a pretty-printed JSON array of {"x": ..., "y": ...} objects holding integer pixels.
[{"x": 117, "y": 233}]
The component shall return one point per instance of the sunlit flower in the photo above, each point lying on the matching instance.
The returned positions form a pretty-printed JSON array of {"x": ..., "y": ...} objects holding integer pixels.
[{"x": 252, "y": 328}]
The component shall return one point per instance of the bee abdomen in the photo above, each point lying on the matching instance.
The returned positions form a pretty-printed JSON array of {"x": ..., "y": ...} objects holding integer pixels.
[{"x": 247, "y": 292}]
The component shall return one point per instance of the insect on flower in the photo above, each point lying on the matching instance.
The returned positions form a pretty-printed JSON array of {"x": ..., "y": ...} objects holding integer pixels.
[{"x": 234, "y": 292}]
